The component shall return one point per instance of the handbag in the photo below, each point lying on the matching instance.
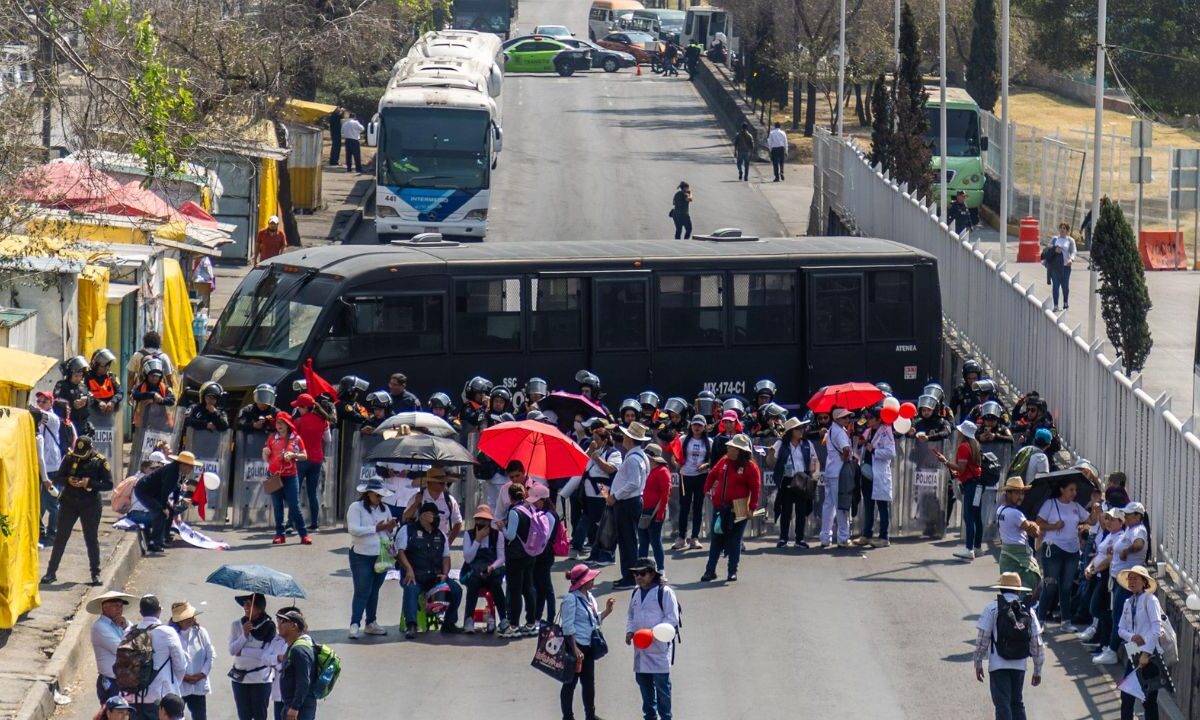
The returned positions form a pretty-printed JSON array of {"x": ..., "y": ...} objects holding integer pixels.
[
  {"x": 599, "y": 644},
  {"x": 606, "y": 535},
  {"x": 384, "y": 562},
  {"x": 671, "y": 213},
  {"x": 273, "y": 484},
  {"x": 553, "y": 655},
  {"x": 645, "y": 519}
]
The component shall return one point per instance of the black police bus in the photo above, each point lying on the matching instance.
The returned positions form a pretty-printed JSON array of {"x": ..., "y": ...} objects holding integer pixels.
[{"x": 675, "y": 316}]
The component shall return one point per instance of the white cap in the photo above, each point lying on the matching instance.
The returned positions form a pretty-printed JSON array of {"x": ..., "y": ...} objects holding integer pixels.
[
  {"x": 157, "y": 457},
  {"x": 273, "y": 220},
  {"x": 1134, "y": 507}
]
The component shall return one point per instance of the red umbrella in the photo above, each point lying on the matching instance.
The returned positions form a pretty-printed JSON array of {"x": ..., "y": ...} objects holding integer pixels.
[
  {"x": 852, "y": 396},
  {"x": 542, "y": 449}
]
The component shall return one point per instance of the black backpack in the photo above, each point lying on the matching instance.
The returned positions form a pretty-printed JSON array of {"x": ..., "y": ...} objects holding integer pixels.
[{"x": 1014, "y": 629}]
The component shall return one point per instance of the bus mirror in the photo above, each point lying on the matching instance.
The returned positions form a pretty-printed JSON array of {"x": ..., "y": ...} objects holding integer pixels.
[
  {"x": 373, "y": 132},
  {"x": 983, "y": 143},
  {"x": 499, "y": 144}
]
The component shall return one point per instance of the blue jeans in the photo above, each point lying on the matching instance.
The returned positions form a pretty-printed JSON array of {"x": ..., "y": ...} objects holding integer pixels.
[
  {"x": 651, "y": 539},
  {"x": 291, "y": 494},
  {"x": 743, "y": 165},
  {"x": 729, "y": 541},
  {"x": 1060, "y": 279},
  {"x": 366, "y": 587},
  {"x": 656, "y": 695},
  {"x": 1119, "y": 596},
  {"x": 154, "y": 525},
  {"x": 309, "y": 476},
  {"x": 972, "y": 516},
  {"x": 413, "y": 592},
  {"x": 1008, "y": 687},
  {"x": 50, "y": 508},
  {"x": 1058, "y": 571}
]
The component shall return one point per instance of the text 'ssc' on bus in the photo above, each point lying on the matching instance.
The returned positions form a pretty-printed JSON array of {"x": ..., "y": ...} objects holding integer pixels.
[
  {"x": 964, "y": 144},
  {"x": 675, "y": 316}
]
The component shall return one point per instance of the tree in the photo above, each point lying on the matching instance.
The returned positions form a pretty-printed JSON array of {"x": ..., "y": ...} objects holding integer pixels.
[
  {"x": 983, "y": 78},
  {"x": 912, "y": 151},
  {"x": 883, "y": 151},
  {"x": 1124, "y": 299}
]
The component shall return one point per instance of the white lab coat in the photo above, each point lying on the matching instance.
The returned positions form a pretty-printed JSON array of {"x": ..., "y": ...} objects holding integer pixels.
[
  {"x": 199, "y": 654},
  {"x": 884, "y": 442},
  {"x": 644, "y": 612}
]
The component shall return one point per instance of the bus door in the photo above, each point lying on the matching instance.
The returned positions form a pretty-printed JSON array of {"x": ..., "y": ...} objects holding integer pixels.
[
  {"x": 621, "y": 329},
  {"x": 835, "y": 327},
  {"x": 557, "y": 328},
  {"x": 897, "y": 330}
]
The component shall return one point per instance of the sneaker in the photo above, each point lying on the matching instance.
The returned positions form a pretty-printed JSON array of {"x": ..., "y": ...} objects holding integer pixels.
[
  {"x": 861, "y": 540},
  {"x": 1108, "y": 657},
  {"x": 528, "y": 630},
  {"x": 781, "y": 544},
  {"x": 354, "y": 631},
  {"x": 679, "y": 544},
  {"x": 708, "y": 577},
  {"x": 1054, "y": 309},
  {"x": 1071, "y": 628},
  {"x": 491, "y": 625},
  {"x": 1087, "y": 634},
  {"x": 695, "y": 544},
  {"x": 411, "y": 632},
  {"x": 96, "y": 579},
  {"x": 469, "y": 626},
  {"x": 826, "y": 546},
  {"x": 508, "y": 631},
  {"x": 845, "y": 545},
  {"x": 375, "y": 629},
  {"x": 279, "y": 540},
  {"x": 576, "y": 554},
  {"x": 732, "y": 577},
  {"x": 884, "y": 542},
  {"x": 49, "y": 578},
  {"x": 967, "y": 555},
  {"x": 801, "y": 544},
  {"x": 306, "y": 540}
]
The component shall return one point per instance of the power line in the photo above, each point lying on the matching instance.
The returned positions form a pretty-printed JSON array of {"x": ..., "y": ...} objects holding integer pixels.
[{"x": 1194, "y": 61}]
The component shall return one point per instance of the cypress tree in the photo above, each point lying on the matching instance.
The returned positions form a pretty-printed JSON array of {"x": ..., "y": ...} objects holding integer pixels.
[
  {"x": 1124, "y": 299},
  {"x": 883, "y": 151},
  {"x": 983, "y": 76},
  {"x": 912, "y": 152}
]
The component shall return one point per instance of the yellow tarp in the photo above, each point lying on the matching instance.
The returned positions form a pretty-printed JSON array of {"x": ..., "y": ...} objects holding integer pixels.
[
  {"x": 177, "y": 339},
  {"x": 268, "y": 196},
  {"x": 309, "y": 113},
  {"x": 20, "y": 505},
  {"x": 93, "y": 309},
  {"x": 20, "y": 370}
]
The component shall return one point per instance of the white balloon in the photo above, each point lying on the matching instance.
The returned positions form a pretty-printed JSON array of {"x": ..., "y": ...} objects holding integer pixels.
[
  {"x": 664, "y": 632},
  {"x": 891, "y": 402},
  {"x": 902, "y": 425},
  {"x": 211, "y": 481},
  {"x": 1193, "y": 601}
]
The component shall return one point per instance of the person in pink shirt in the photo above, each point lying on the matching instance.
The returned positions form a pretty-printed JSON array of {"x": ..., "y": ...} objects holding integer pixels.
[{"x": 654, "y": 505}]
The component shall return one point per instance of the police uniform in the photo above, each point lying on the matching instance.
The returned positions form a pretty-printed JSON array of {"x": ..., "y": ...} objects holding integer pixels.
[
  {"x": 252, "y": 413},
  {"x": 200, "y": 416},
  {"x": 72, "y": 392},
  {"x": 81, "y": 504},
  {"x": 104, "y": 388}
]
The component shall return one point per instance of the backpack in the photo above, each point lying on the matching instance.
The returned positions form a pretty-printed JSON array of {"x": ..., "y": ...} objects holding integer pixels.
[
  {"x": 989, "y": 467},
  {"x": 327, "y": 667},
  {"x": 134, "y": 667},
  {"x": 678, "y": 613},
  {"x": 122, "y": 496},
  {"x": 539, "y": 530},
  {"x": 562, "y": 545},
  {"x": 1168, "y": 642},
  {"x": 1014, "y": 629},
  {"x": 1020, "y": 461}
]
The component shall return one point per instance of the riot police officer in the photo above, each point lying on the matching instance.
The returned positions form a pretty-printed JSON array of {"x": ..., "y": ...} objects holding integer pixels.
[
  {"x": 536, "y": 389},
  {"x": 673, "y": 422},
  {"x": 152, "y": 390},
  {"x": 764, "y": 392},
  {"x": 259, "y": 415},
  {"x": 83, "y": 475},
  {"x": 74, "y": 390},
  {"x": 439, "y": 404},
  {"x": 706, "y": 404},
  {"x": 929, "y": 425},
  {"x": 648, "y": 401},
  {"x": 475, "y": 403},
  {"x": 589, "y": 387},
  {"x": 971, "y": 393},
  {"x": 102, "y": 385},
  {"x": 207, "y": 414},
  {"x": 629, "y": 412},
  {"x": 351, "y": 390},
  {"x": 379, "y": 405}
]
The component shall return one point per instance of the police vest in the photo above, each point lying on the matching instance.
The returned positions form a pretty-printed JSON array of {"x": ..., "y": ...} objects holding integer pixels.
[
  {"x": 104, "y": 390},
  {"x": 425, "y": 551}
]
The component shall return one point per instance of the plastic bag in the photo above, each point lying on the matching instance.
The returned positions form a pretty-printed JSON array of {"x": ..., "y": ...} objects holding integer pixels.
[{"x": 606, "y": 536}]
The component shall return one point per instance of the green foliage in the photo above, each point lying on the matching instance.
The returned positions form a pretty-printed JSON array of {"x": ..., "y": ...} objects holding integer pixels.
[
  {"x": 5, "y": 526},
  {"x": 162, "y": 94},
  {"x": 362, "y": 101},
  {"x": 883, "y": 151},
  {"x": 912, "y": 152},
  {"x": 983, "y": 76},
  {"x": 1124, "y": 299}
]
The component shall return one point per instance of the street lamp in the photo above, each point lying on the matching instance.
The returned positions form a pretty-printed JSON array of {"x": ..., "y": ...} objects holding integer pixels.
[{"x": 943, "y": 210}]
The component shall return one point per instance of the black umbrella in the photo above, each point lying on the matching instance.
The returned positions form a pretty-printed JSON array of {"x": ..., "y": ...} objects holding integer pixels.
[
  {"x": 1044, "y": 485},
  {"x": 422, "y": 449}
]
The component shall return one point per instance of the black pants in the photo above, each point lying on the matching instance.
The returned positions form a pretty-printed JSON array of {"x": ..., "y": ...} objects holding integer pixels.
[
  {"x": 543, "y": 586},
  {"x": 586, "y": 677},
  {"x": 629, "y": 511},
  {"x": 87, "y": 512},
  {"x": 683, "y": 225},
  {"x": 252, "y": 700},
  {"x": 778, "y": 155},
  {"x": 353, "y": 155},
  {"x": 335, "y": 149},
  {"x": 691, "y": 505},
  {"x": 520, "y": 590},
  {"x": 1008, "y": 688},
  {"x": 1149, "y": 705},
  {"x": 105, "y": 688},
  {"x": 144, "y": 711},
  {"x": 197, "y": 706},
  {"x": 790, "y": 499},
  {"x": 493, "y": 583}
]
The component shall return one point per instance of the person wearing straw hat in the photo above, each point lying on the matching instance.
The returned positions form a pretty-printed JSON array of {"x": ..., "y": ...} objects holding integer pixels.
[
  {"x": 107, "y": 633},
  {"x": 255, "y": 647},
  {"x": 1140, "y": 625},
  {"x": 369, "y": 523},
  {"x": 835, "y": 522},
  {"x": 626, "y": 497},
  {"x": 198, "y": 656},
  {"x": 483, "y": 569},
  {"x": 1130, "y": 550},
  {"x": 424, "y": 552},
  {"x": 967, "y": 468},
  {"x": 999, "y": 627},
  {"x": 157, "y": 493},
  {"x": 734, "y": 484},
  {"x": 1015, "y": 531},
  {"x": 83, "y": 475},
  {"x": 580, "y": 617},
  {"x": 794, "y": 459},
  {"x": 450, "y": 519}
]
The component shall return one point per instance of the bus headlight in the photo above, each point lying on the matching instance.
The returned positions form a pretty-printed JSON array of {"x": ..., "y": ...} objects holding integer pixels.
[
  {"x": 975, "y": 179},
  {"x": 477, "y": 214},
  {"x": 385, "y": 211}
]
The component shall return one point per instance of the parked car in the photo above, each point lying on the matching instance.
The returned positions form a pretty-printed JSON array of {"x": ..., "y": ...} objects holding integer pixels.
[
  {"x": 544, "y": 55},
  {"x": 603, "y": 58},
  {"x": 642, "y": 46},
  {"x": 558, "y": 32}
]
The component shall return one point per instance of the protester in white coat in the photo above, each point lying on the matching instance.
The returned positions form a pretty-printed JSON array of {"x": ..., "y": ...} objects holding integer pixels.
[
  {"x": 199, "y": 653},
  {"x": 653, "y": 603},
  {"x": 882, "y": 446}
]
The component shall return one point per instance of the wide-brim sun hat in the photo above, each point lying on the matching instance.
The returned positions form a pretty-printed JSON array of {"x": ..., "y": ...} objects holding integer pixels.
[
  {"x": 635, "y": 431},
  {"x": 186, "y": 458},
  {"x": 654, "y": 451},
  {"x": 967, "y": 428},
  {"x": 95, "y": 604},
  {"x": 181, "y": 611},
  {"x": 1011, "y": 582},
  {"x": 1014, "y": 484},
  {"x": 741, "y": 442},
  {"x": 840, "y": 413},
  {"x": 376, "y": 486},
  {"x": 536, "y": 491},
  {"x": 483, "y": 512},
  {"x": 793, "y": 423},
  {"x": 1141, "y": 571},
  {"x": 580, "y": 575}
]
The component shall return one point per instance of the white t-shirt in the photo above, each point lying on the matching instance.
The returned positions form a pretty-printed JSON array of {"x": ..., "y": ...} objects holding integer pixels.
[
  {"x": 695, "y": 454},
  {"x": 448, "y": 513},
  {"x": 835, "y": 441},
  {"x": 1104, "y": 548},
  {"x": 797, "y": 451},
  {"x": 1009, "y": 519},
  {"x": 1071, "y": 513},
  {"x": 1128, "y": 537},
  {"x": 987, "y": 621}
]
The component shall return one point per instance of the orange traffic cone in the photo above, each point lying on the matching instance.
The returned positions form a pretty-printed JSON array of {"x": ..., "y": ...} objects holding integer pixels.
[{"x": 639, "y": 69}]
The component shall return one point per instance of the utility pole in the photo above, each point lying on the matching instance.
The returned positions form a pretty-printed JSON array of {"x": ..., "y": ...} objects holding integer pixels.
[
  {"x": 1101, "y": 38},
  {"x": 1005, "y": 162},
  {"x": 841, "y": 95},
  {"x": 45, "y": 76},
  {"x": 943, "y": 193}
]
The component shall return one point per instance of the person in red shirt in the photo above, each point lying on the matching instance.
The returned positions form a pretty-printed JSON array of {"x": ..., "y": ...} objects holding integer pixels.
[
  {"x": 271, "y": 240},
  {"x": 654, "y": 505},
  {"x": 967, "y": 467},
  {"x": 311, "y": 426},
  {"x": 283, "y": 450},
  {"x": 734, "y": 484}
]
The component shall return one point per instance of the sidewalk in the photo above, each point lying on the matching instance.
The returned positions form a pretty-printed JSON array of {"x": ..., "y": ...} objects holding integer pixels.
[{"x": 792, "y": 198}]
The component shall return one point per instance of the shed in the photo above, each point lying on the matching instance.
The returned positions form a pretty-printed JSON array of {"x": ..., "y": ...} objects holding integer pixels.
[
  {"x": 18, "y": 328},
  {"x": 249, "y": 172},
  {"x": 21, "y": 372},
  {"x": 305, "y": 123}
]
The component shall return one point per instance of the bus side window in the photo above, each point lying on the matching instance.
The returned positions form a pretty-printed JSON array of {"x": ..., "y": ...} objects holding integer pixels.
[
  {"x": 621, "y": 314},
  {"x": 691, "y": 309},
  {"x": 890, "y": 305},
  {"x": 764, "y": 308},
  {"x": 836, "y": 308},
  {"x": 487, "y": 315},
  {"x": 556, "y": 313}
]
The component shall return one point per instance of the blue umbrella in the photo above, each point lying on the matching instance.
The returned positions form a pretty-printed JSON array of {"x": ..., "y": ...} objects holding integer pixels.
[{"x": 257, "y": 579}]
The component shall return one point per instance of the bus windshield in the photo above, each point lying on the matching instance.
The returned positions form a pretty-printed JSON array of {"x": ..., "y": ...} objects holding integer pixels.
[
  {"x": 962, "y": 131},
  {"x": 482, "y": 15},
  {"x": 434, "y": 148},
  {"x": 271, "y": 316}
]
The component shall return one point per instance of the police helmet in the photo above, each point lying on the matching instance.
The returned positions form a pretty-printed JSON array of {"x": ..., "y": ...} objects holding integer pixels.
[
  {"x": 73, "y": 365},
  {"x": 537, "y": 386},
  {"x": 991, "y": 409},
  {"x": 775, "y": 410},
  {"x": 927, "y": 401},
  {"x": 1035, "y": 403},
  {"x": 103, "y": 356},
  {"x": 477, "y": 384},
  {"x": 706, "y": 395},
  {"x": 734, "y": 404},
  {"x": 971, "y": 366},
  {"x": 211, "y": 388},
  {"x": 629, "y": 404},
  {"x": 936, "y": 391},
  {"x": 265, "y": 394},
  {"x": 649, "y": 400},
  {"x": 379, "y": 399},
  {"x": 675, "y": 405},
  {"x": 506, "y": 417},
  {"x": 706, "y": 405},
  {"x": 439, "y": 399},
  {"x": 884, "y": 388},
  {"x": 587, "y": 378},
  {"x": 352, "y": 384},
  {"x": 152, "y": 366},
  {"x": 500, "y": 392},
  {"x": 536, "y": 415},
  {"x": 987, "y": 387},
  {"x": 764, "y": 387}
]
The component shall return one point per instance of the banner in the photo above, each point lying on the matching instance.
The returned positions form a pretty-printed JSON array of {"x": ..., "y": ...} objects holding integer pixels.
[{"x": 186, "y": 533}]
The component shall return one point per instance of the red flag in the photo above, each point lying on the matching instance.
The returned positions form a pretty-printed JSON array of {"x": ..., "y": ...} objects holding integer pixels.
[
  {"x": 317, "y": 384},
  {"x": 200, "y": 498}
]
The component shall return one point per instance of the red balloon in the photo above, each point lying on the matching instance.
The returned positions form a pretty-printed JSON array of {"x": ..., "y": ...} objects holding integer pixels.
[
  {"x": 889, "y": 415},
  {"x": 908, "y": 411},
  {"x": 643, "y": 638}
]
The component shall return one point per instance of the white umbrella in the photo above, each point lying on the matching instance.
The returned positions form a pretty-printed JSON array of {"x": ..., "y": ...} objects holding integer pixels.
[{"x": 423, "y": 422}]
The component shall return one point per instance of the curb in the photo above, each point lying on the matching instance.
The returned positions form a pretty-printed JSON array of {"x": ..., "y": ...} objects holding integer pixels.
[{"x": 65, "y": 665}]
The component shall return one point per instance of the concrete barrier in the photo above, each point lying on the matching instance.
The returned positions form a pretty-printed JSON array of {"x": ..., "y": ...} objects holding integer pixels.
[{"x": 729, "y": 104}]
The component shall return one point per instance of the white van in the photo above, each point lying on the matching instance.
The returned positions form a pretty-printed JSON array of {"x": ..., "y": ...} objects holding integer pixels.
[
  {"x": 704, "y": 24},
  {"x": 602, "y": 18}
]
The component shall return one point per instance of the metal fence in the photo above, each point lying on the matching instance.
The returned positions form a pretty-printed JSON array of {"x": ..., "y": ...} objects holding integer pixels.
[{"x": 991, "y": 314}]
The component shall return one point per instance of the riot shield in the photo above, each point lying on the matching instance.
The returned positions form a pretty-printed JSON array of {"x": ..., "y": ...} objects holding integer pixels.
[
  {"x": 356, "y": 469},
  {"x": 109, "y": 439},
  {"x": 919, "y": 482},
  {"x": 212, "y": 449},
  {"x": 251, "y": 506},
  {"x": 159, "y": 423}
]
